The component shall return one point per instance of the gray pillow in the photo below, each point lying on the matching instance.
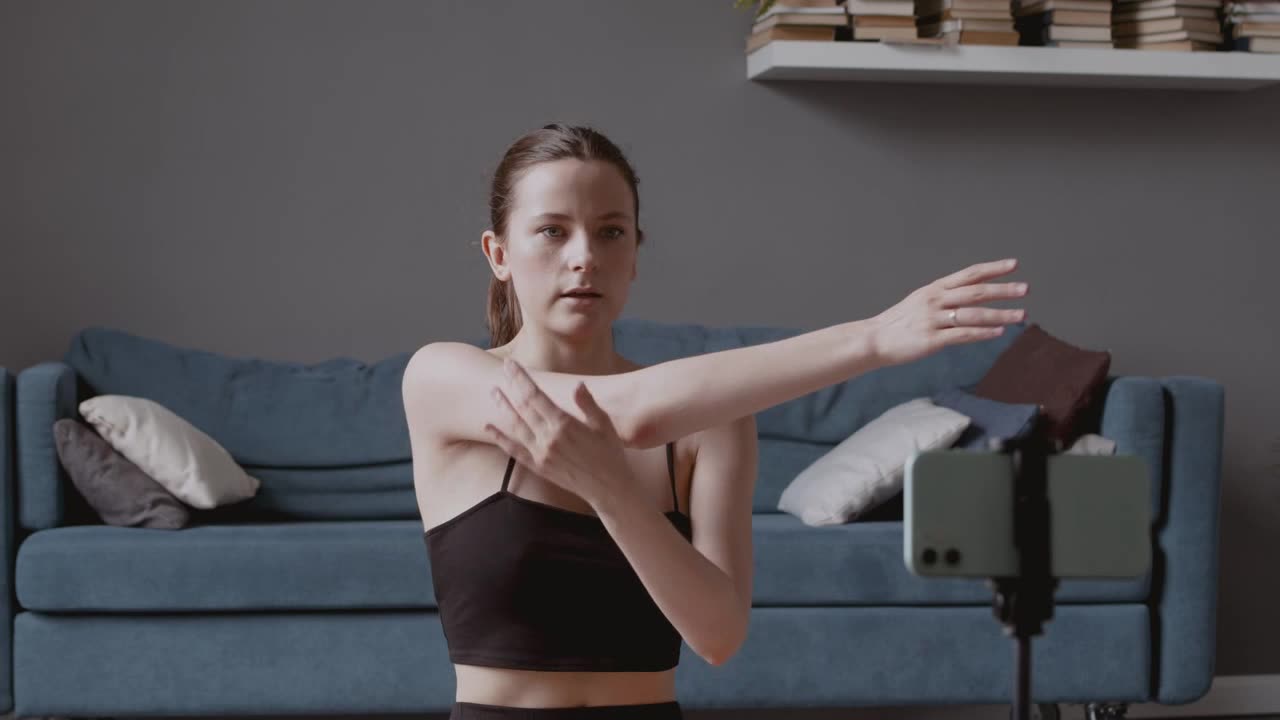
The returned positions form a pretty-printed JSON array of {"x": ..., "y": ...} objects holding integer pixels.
[
  {"x": 119, "y": 491},
  {"x": 988, "y": 419}
]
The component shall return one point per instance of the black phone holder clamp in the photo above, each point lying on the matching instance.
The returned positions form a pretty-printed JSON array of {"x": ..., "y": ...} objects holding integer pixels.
[{"x": 1023, "y": 603}]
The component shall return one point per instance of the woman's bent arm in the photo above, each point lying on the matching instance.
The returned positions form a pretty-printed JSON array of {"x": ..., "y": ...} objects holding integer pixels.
[{"x": 447, "y": 385}]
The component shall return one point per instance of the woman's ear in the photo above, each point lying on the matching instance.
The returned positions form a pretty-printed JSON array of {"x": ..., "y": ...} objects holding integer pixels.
[{"x": 496, "y": 254}]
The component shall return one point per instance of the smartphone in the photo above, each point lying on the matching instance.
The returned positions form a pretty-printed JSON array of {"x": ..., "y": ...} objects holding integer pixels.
[{"x": 958, "y": 515}]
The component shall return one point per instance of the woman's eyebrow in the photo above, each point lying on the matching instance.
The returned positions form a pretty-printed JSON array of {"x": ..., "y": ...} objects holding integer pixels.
[{"x": 615, "y": 215}]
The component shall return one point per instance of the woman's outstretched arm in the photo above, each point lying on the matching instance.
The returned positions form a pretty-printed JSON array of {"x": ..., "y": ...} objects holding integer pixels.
[
  {"x": 447, "y": 385},
  {"x": 688, "y": 394},
  {"x": 682, "y": 396}
]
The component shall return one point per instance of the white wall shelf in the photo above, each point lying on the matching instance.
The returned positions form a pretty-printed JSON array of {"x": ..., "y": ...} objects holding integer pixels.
[{"x": 996, "y": 65}]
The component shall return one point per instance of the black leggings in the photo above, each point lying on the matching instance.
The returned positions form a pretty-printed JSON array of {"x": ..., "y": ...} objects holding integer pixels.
[{"x": 647, "y": 711}]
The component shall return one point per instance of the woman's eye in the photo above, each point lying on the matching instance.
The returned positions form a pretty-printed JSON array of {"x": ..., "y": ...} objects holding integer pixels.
[
  {"x": 617, "y": 232},
  {"x": 545, "y": 229}
]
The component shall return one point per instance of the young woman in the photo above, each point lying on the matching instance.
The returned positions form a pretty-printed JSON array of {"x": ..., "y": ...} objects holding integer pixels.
[{"x": 584, "y": 514}]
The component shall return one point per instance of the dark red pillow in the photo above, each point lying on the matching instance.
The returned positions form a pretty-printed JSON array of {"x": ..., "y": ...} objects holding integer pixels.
[{"x": 1059, "y": 377}]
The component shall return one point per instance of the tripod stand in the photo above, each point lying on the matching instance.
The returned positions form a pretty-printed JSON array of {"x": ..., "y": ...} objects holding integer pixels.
[{"x": 1023, "y": 603}]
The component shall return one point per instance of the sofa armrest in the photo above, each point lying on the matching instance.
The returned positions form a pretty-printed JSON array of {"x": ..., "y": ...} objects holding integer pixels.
[
  {"x": 1187, "y": 525},
  {"x": 7, "y": 536},
  {"x": 1175, "y": 424},
  {"x": 46, "y": 393},
  {"x": 1134, "y": 417}
]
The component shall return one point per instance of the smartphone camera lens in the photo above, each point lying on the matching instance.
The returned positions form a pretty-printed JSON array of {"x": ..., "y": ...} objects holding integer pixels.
[
  {"x": 929, "y": 556},
  {"x": 953, "y": 557}
]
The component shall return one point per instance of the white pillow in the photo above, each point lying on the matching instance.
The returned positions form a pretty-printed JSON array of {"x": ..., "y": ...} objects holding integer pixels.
[
  {"x": 186, "y": 461},
  {"x": 867, "y": 468},
  {"x": 1092, "y": 444}
]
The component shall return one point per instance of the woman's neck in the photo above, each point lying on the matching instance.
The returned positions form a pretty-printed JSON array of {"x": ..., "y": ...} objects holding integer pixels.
[{"x": 589, "y": 356}]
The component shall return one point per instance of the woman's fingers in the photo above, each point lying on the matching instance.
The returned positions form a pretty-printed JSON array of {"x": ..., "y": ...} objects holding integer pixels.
[
  {"x": 963, "y": 298},
  {"x": 582, "y": 395},
  {"x": 537, "y": 409},
  {"x": 957, "y": 335},
  {"x": 976, "y": 316},
  {"x": 978, "y": 273},
  {"x": 511, "y": 447},
  {"x": 512, "y": 422},
  {"x": 974, "y": 294}
]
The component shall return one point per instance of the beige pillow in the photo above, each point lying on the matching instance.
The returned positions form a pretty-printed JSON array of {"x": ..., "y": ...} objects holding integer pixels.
[
  {"x": 867, "y": 468},
  {"x": 186, "y": 461}
]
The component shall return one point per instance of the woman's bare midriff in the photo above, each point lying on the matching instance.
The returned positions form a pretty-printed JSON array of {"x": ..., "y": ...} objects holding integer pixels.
[{"x": 543, "y": 689}]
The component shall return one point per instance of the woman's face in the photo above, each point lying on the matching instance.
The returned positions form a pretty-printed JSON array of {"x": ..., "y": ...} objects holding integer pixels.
[{"x": 572, "y": 224}]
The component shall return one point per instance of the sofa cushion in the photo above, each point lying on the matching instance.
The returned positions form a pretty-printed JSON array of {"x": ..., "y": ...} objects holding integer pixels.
[
  {"x": 117, "y": 489},
  {"x": 395, "y": 664},
  {"x": 368, "y": 492},
  {"x": 358, "y": 492},
  {"x": 383, "y": 564},
  {"x": 339, "y": 412}
]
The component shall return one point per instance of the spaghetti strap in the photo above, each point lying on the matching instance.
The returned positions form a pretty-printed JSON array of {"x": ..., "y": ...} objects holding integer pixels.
[
  {"x": 511, "y": 464},
  {"x": 671, "y": 470}
]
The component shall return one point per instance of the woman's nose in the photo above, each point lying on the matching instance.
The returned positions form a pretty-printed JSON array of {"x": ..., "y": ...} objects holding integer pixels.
[{"x": 582, "y": 250}]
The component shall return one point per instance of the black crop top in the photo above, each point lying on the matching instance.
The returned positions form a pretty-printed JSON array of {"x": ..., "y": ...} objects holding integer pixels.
[{"x": 528, "y": 585}]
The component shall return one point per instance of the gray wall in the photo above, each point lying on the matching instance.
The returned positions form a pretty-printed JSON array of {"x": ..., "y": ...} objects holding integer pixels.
[{"x": 302, "y": 180}]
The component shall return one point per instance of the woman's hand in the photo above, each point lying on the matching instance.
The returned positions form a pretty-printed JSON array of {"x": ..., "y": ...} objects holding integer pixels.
[
  {"x": 939, "y": 314},
  {"x": 584, "y": 458}
]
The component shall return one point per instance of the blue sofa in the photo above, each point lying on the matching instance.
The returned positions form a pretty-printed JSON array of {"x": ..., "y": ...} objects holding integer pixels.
[{"x": 315, "y": 597}]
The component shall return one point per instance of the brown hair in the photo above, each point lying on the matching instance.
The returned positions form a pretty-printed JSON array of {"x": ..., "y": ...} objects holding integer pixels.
[{"x": 551, "y": 142}]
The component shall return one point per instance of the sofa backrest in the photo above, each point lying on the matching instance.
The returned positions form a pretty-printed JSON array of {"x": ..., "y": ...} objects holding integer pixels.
[{"x": 328, "y": 440}]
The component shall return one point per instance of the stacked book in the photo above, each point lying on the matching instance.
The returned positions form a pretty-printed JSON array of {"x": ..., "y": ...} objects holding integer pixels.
[
  {"x": 1167, "y": 24},
  {"x": 1064, "y": 23},
  {"x": 966, "y": 22},
  {"x": 798, "y": 20},
  {"x": 883, "y": 20},
  {"x": 1253, "y": 26}
]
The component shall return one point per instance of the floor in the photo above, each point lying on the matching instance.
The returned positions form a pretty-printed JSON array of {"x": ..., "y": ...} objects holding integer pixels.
[
  {"x": 975, "y": 712},
  {"x": 969, "y": 712}
]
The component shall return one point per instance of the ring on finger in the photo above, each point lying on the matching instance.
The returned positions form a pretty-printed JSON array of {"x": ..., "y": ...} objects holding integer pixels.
[{"x": 952, "y": 316}]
